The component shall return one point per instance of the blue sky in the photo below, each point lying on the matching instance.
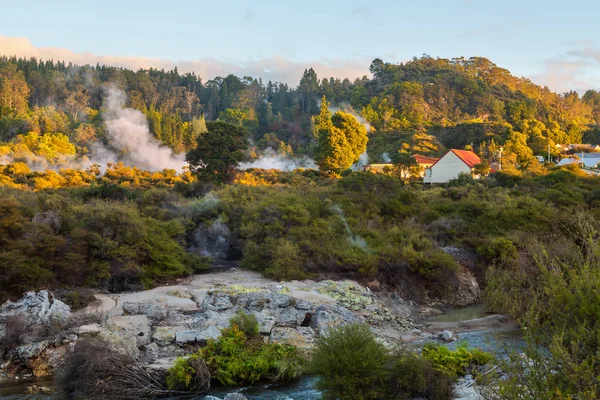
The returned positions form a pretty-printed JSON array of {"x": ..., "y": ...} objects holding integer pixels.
[{"x": 552, "y": 42}]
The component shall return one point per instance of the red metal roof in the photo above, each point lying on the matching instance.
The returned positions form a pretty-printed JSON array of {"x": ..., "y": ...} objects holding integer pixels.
[
  {"x": 425, "y": 160},
  {"x": 468, "y": 157}
]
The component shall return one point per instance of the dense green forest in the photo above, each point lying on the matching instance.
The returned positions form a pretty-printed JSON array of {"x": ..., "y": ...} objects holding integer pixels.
[{"x": 425, "y": 105}]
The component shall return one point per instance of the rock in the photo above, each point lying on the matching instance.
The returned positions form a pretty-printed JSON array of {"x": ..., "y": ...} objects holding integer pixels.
[
  {"x": 290, "y": 316},
  {"x": 138, "y": 325},
  {"x": 35, "y": 308},
  {"x": 91, "y": 329},
  {"x": 302, "y": 304},
  {"x": 210, "y": 398},
  {"x": 49, "y": 360},
  {"x": 187, "y": 336},
  {"x": 212, "y": 332},
  {"x": 463, "y": 389},
  {"x": 235, "y": 396},
  {"x": 165, "y": 334},
  {"x": 201, "y": 336},
  {"x": 217, "y": 301},
  {"x": 122, "y": 339},
  {"x": 447, "y": 336},
  {"x": 326, "y": 317},
  {"x": 302, "y": 337},
  {"x": 468, "y": 291},
  {"x": 156, "y": 312},
  {"x": 150, "y": 353},
  {"x": 31, "y": 350},
  {"x": 34, "y": 389},
  {"x": 266, "y": 322}
]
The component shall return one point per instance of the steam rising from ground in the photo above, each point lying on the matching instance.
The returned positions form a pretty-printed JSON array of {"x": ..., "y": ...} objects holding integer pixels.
[
  {"x": 129, "y": 134},
  {"x": 212, "y": 237},
  {"x": 363, "y": 160},
  {"x": 354, "y": 240},
  {"x": 270, "y": 159}
]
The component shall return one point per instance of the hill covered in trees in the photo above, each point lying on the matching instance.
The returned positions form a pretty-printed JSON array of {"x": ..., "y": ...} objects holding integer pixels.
[{"x": 424, "y": 105}]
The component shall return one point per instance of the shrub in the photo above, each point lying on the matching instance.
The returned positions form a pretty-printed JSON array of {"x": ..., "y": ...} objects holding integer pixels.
[
  {"x": 351, "y": 364},
  {"x": 15, "y": 329},
  {"x": 77, "y": 299},
  {"x": 189, "y": 374},
  {"x": 413, "y": 376},
  {"x": 246, "y": 323},
  {"x": 236, "y": 359},
  {"x": 455, "y": 363}
]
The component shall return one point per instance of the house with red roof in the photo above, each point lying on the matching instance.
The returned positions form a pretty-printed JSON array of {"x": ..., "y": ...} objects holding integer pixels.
[
  {"x": 451, "y": 165},
  {"x": 423, "y": 163}
]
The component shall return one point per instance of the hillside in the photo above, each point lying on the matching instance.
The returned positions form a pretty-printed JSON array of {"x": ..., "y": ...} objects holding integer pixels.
[{"x": 425, "y": 105}]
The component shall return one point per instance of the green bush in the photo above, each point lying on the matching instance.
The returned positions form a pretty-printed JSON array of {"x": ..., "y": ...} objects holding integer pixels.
[
  {"x": 351, "y": 364},
  {"x": 246, "y": 323},
  {"x": 236, "y": 359},
  {"x": 189, "y": 374},
  {"x": 413, "y": 377},
  {"x": 455, "y": 363}
]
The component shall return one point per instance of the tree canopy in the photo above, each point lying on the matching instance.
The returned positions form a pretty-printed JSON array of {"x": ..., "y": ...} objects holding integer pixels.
[{"x": 218, "y": 151}]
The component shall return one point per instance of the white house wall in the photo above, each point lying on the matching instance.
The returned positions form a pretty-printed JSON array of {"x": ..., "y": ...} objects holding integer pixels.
[{"x": 449, "y": 167}]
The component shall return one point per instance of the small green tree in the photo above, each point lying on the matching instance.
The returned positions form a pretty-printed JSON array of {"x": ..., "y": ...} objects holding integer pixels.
[
  {"x": 218, "y": 151},
  {"x": 351, "y": 363},
  {"x": 405, "y": 165}
]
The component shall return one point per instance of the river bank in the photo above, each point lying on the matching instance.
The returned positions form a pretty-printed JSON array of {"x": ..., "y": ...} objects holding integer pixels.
[{"x": 160, "y": 324}]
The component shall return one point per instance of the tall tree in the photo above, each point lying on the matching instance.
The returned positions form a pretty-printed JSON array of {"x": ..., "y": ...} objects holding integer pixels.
[
  {"x": 355, "y": 132},
  {"x": 333, "y": 154},
  {"x": 14, "y": 91},
  {"x": 218, "y": 151}
]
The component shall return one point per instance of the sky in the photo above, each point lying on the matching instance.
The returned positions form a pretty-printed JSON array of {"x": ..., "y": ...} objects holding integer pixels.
[{"x": 552, "y": 42}]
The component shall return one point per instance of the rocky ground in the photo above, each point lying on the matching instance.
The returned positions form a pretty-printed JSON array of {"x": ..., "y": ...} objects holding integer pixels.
[{"x": 156, "y": 326}]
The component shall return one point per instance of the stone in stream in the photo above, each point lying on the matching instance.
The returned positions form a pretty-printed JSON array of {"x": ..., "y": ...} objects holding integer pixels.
[
  {"x": 235, "y": 396},
  {"x": 447, "y": 336}
]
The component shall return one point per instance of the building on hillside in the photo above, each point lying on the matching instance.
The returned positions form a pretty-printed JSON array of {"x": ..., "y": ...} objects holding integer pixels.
[
  {"x": 589, "y": 160},
  {"x": 378, "y": 168},
  {"x": 423, "y": 162},
  {"x": 451, "y": 165}
]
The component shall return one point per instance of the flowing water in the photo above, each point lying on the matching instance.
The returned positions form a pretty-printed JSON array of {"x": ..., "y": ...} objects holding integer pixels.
[{"x": 462, "y": 314}]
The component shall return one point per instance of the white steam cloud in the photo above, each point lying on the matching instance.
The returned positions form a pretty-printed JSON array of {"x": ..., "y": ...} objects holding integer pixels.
[
  {"x": 130, "y": 135},
  {"x": 270, "y": 159},
  {"x": 363, "y": 160}
]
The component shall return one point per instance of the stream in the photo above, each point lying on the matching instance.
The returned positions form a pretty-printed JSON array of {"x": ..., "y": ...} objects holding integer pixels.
[{"x": 498, "y": 342}]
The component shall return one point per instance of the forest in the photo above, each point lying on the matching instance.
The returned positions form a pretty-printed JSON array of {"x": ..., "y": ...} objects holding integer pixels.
[{"x": 425, "y": 105}]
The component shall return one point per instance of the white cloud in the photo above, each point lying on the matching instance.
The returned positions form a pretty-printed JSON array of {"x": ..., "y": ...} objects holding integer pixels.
[
  {"x": 577, "y": 70},
  {"x": 274, "y": 68}
]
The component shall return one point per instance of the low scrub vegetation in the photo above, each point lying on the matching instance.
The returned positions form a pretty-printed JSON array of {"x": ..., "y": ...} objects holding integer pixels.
[
  {"x": 239, "y": 356},
  {"x": 370, "y": 371}
]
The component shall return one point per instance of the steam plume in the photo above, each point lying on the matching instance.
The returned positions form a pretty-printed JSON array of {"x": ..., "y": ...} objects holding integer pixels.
[
  {"x": 270, "y": 159},
  {"x": 129, "y": 133}
]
